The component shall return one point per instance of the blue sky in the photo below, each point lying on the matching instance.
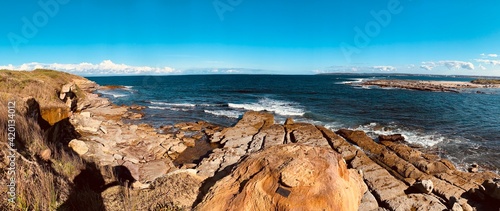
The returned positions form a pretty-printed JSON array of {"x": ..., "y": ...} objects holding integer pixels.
[{"x": 102, "y": 37}]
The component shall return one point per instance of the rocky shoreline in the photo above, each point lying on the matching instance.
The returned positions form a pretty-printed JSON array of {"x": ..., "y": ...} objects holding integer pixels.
[
  {"x": 258, "y": 164},
  {"x": 433, "y": 86}
]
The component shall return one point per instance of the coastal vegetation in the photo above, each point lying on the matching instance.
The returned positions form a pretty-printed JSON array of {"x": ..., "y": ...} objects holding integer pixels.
[
  {"x": 40, "y": 84},
  {"x": 486, "y": 81}
]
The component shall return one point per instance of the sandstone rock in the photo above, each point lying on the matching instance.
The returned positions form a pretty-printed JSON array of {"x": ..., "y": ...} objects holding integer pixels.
[
  {"x": 378, "y": 179},
  {"x": 492, "y": 188},
  {"x": 62, "y": 95},
  {"x": 133, "y": 115},
  {"x": 189, "y": 142},
  {"x": 456, "y": 207},
  {"x": 179, "y": 148},
  {"x": 289, "y": 121},
  {"x": 154, "y": 169},
  {"x": 140, "y": 186},
  {"x": 86, "y": 114},
  {"x": 86, "y": 124},
  {"x": 314, "y": 173},
  {"x": 423, "y": 186},
  {"x": 137, "y": 107},
  {"x": 368, "y": 202},
  {"x": 78, "y": 146},
  {"x": 177, "y": 190},
  {"x": 118, "y": 157},
  {"x": 67, "y": 87},
  {"x": 393, "y": 138},
  {"x": 248, "y": 126},
  {"x": 273, "y": 135},
  {"x": 131, "y": 159},
  {"x": 361, "y": 139},
  {"x": 305, "y": 133},
  {"x": 419, "y": 202},
  {"x": 474, "y": 168}
]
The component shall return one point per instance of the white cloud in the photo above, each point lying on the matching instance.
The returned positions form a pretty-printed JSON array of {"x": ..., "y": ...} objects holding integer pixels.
[
  {"x": 491, "y": 55},
  {"x": 106, "y": 67},
  {"x": 427, "y": 67},
  {"x": 488, "y": 61},
  {"x": 482, "y": 67},
  {"x": 384, "y": 68},
  {"x": 356, "y": 69},
  {"x": 449, "y": 64}
]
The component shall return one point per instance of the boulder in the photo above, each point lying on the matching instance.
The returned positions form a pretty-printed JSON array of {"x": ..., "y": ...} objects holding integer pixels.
[
  {"x": 86, "y": 124},
  {"x": 492, "y": 188},
  {"x": 423, "y": 186},
  {"x": 392, "y": 138},
  {"x": 288, "y": 177},
  {"x": 78, "y": 146}
]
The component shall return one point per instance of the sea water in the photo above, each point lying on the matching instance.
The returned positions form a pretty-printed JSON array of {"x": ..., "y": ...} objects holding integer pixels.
[{"x": 464, "y": 127}]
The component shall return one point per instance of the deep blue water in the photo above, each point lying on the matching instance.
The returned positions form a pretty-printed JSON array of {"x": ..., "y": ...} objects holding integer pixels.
[{"x": 464, "y": 127}]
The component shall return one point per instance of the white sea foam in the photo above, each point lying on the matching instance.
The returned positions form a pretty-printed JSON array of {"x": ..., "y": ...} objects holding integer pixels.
[
  {"x": 352, "y": 81},
  {"x": 277, "y": 106},
  {"x": 413, "y": 137},
  {"x": 168, "y": 108},
  {"x": 226, "y": 113},
  {"x": 174, "y": 104},
  {"x": 112, "y": 93}
]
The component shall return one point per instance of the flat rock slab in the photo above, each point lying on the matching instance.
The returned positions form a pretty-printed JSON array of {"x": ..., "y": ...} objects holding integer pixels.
[
  {"x": 417, "y": 202},
  {"x": 290, "y": 176}
]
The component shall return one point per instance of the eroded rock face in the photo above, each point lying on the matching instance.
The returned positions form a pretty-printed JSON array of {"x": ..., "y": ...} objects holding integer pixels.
[{"x": 288, "y": 177}]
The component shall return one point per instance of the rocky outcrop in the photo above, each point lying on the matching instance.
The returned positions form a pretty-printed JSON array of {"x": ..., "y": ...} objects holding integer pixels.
[
  {"x": 393, "y": 138},
  {"x": 433, "y": 86},
  {"x": 237, "y": 141},
  {"x": 434, "y": 175},
  {"x": 288, "y": 177}
]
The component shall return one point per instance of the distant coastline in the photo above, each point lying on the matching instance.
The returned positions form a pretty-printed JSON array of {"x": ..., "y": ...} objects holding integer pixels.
[{"x": 435, "y": 86}]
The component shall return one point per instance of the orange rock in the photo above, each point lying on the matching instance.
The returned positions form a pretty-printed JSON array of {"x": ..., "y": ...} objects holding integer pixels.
[{"x": 288, "y": 177}]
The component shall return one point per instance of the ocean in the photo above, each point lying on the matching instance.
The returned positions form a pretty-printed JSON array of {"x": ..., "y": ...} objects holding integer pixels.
[{"x": 463, "y": 127}]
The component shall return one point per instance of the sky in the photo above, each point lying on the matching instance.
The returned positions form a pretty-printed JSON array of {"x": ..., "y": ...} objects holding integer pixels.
[{"x": 127, "y": 37}]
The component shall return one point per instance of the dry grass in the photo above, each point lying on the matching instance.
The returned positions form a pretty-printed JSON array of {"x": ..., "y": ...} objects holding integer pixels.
[
  {"x": 40, "y": 185},
  {"x": 35, "y": 185},
  {"x": 43, "y": 85}
]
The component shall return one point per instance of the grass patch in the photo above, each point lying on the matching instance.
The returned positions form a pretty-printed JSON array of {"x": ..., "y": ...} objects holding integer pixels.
[
  {"x": 486, "y": 81},
  {"x": 43, "y": 85}
]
